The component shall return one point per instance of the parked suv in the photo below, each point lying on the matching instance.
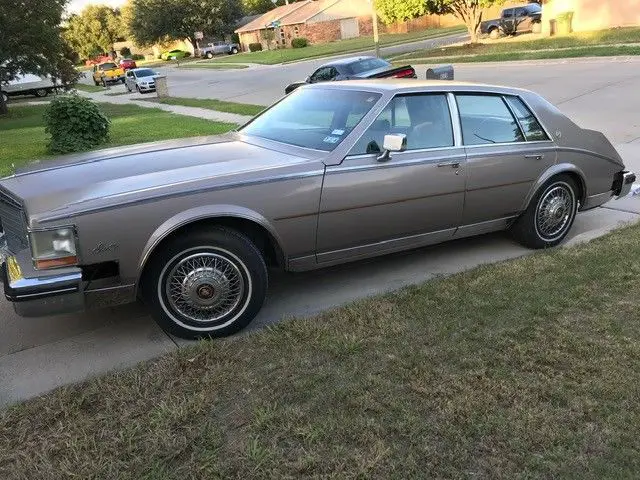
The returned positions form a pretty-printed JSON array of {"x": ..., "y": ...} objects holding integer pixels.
[
  {"x": 525, "y": 18},
  {"x": 219, "y": 48}
]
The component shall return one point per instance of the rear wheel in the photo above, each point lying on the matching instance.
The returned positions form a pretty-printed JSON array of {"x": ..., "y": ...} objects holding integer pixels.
[
  {"x": 536, "y": 27},
  {"x": 209, "y": 55},
  {"x": 234, "y": 50},
  {"x": 550, "y": 214},
  {"x": 210, "y": 283},
  {"x": 5, "y": 97},
  {"x": 41, "y": 92}
]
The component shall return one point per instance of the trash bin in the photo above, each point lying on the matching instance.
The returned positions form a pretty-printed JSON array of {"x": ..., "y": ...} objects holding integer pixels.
[
  {"x": 552, "y": 27},
  {"x": 444, "y": 72},
  {"x": 564, "y": 23},
  {"x": 162, "y": 89}
]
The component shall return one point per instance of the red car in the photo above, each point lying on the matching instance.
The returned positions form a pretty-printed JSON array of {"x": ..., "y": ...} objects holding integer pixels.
[{"x": 127, "y": 64}]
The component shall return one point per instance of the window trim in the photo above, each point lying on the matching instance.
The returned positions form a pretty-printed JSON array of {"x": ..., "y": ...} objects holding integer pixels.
[
  {"x": 544, "y": 129},
  {"x": 452, "y": 119}
]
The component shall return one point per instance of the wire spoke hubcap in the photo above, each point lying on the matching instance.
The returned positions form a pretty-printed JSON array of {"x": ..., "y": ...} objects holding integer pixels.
[
  {"x": 555, "y": 211},
  {"x": 205, "y": 287}
]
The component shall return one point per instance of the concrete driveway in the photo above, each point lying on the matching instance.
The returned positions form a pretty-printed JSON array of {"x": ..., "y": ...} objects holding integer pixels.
[{"x": 37, "y": 355}]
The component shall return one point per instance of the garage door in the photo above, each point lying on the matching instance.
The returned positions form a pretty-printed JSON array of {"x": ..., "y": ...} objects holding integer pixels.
[{"x": 349, "y": 28}]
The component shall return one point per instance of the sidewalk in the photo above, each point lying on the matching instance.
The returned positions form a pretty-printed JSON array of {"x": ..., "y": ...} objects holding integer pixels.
[{"x": 179, "y": 109}]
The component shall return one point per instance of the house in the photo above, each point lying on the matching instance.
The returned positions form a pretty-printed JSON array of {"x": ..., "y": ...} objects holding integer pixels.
[
  {"x": 319, "y": 21},
  {"x": 592, "y": 14}
]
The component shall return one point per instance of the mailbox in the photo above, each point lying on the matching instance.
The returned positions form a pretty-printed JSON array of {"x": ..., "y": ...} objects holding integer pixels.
[{"x": 444, "y": 72}]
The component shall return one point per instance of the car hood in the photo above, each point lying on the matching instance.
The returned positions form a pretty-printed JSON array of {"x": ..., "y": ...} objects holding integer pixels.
[{"x": 71, "y": 185}]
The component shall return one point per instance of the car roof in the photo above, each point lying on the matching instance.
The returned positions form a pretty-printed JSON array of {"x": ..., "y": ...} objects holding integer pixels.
[
  {"x": 347, "y": 60},
  {"x": 411, "y": 85}
]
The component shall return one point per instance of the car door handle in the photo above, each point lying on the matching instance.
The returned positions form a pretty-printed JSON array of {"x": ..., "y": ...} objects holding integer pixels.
[
  {"x": 453, "y": 164},
  {"x": 535, "y": 156}
]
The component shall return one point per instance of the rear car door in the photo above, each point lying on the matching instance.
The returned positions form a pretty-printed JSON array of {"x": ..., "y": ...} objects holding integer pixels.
[
  {"x": 522, "y": 19},
  {"x": 507, "y": 151},
  {"x": 414, "y": 198}
]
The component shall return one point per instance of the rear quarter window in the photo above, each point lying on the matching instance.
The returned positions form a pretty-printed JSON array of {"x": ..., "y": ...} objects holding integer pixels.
[{"x": 531, "y": 127}]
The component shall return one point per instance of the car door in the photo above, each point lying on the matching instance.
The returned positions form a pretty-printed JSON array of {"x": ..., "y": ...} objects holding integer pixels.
[
  {"x": 507, "y": 151},
  {"x": 507, "y": 21},
  {"x": 414, "y": 198},
  {"x": 522, "y": 19}
]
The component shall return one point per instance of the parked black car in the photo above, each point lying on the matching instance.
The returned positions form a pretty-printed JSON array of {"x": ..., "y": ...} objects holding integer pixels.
[
  {"x": 526, "y": 18},
  {"x": 355, "y": 68}
]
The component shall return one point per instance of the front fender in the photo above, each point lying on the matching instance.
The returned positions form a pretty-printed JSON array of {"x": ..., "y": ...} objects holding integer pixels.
[
  {"x": 202, "y": 213},
  {"x": 552, "y": 172}
]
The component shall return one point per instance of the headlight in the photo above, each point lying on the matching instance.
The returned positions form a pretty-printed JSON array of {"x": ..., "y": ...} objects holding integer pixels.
[{"x": 54, "y": 248}]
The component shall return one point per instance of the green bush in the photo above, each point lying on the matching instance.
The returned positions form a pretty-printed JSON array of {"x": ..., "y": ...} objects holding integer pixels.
[
  {"x": 137, "y": 56},
  {"x": 299, "y": 42},
  {"x": 75, "y": 124},
  {"x": 125, "y": 52},
  {"x": 255, "y": 47}
]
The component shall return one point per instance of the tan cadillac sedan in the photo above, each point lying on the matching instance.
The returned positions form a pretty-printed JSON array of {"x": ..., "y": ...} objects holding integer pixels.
[{"x": 330, "y": 174}]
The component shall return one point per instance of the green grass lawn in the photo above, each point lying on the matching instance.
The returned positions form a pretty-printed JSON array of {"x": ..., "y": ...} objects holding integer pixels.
[
  {"x": 334, "y": 48},
  {"x": 89, "y": 88},
  {"x": 24, "y": 139},
  {"x": 525, "y": 369},
  {"x": 212, "y": 104},
  {"x": 575, "y": 43}
]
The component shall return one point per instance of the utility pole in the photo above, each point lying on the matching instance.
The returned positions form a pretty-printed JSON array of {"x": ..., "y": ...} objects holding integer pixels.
[{"x": 374, "y": 19}]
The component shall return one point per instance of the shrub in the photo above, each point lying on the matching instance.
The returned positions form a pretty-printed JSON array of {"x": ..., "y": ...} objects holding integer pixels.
[
  {"x": 125, "y": 52},
  {"x": 299, "y": 42},
  {"x": 75, "y": 124},
  {"x": 255, "y": 47},
  {"x": 187, "y": 54},
  {"x": 137, "y": 56}
]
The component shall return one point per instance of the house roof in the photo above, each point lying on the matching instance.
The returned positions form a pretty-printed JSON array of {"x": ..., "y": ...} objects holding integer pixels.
[
  {"x": 246, "y": 20},
  {"x": 308, "y": 11},
  {"x": 272, "y": 15}
]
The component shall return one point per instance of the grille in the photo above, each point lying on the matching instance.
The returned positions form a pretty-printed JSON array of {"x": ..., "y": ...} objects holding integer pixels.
[{"x": 12, "y": 223}]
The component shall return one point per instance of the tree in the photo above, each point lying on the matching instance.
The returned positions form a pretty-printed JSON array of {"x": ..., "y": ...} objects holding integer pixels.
[
  {"x": 469, "y": 11},
  {"x": 391, "y": 11},
  {"x": 94, "y": 30},
  {"x": 154, "y": 21},
  {"x": 31, "y": 41},
  {"x": 255, "y": 7}
]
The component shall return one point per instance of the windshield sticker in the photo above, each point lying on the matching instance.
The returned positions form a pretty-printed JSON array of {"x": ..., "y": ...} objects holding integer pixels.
[
  {"x": 337, "y": 132},
  {"x": 330, "y": 139}
]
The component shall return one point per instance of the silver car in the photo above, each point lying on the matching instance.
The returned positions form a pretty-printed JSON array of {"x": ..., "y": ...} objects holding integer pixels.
[
  {"x": 332, "y": 173},
  {"x": 142, "y": 80}
]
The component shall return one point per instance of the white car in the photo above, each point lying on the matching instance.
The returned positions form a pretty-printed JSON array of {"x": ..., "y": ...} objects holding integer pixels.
[
  {"x": 29, "y": 84},
  {"x": 142, "y": 80}
]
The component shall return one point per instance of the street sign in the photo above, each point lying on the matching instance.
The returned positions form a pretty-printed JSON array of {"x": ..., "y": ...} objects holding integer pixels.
[
  {"x": 274, "y": 24},
  {"x": 198, "y": 35}
]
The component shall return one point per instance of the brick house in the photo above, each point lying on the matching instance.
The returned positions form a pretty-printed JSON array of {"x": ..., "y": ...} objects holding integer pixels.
[{"x": 319, "y": 21}]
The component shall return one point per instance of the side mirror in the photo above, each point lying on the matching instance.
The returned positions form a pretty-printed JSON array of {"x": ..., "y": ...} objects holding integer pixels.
[
  {"x": 307, "y": 80},
  {"x": 393, "y": 143}
]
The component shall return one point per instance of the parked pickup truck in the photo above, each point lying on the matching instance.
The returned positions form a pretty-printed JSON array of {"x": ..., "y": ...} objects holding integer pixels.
[
  {"x": 219, "y": 48},
  {"x": 108, "y": 72},
  {"x": 526, "y": 18},
  {"x": 29, "y": 84},
  {"x": 355, "y": 68}
]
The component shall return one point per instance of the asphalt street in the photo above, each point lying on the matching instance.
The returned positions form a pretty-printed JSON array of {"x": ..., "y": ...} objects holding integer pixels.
[{"x": 39, "y": 354}]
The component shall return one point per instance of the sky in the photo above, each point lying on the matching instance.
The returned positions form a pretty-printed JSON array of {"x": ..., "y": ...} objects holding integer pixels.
[{"x": 76, "y": 6}]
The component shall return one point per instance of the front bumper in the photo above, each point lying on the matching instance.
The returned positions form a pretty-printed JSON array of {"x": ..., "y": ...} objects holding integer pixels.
[
  {"x": 147, "y": 88},
  {"x": 622, "y": 183},
  {"x": 41, "y": 293}
]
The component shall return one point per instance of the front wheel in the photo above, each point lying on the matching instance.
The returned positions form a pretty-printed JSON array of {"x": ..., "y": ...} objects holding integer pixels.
[
  {"x": 550, "y": 215},
  {"x": 210, "y": 283},
  {"x": 41, "y": 92},
  {"x": 494, "y": 34}
]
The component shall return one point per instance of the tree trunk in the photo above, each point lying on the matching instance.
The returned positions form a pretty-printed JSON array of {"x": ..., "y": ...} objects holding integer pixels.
[{"x": 3, "y": 106}]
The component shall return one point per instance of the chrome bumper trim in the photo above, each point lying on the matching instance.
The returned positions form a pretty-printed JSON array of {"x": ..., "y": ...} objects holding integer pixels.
[
  {"x": 624, "y": 183},
  {"x": 18, "y": 288}
]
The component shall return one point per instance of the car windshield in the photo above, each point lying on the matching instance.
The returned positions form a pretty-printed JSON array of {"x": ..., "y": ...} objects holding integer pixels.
[
  {"x": 107, "y": 66},
  {"x": 534, "y": 8},
  {"x": 366, "y": 65},
  {"x": 313, "y": 118},
  {"x": 147, "y": 72}
]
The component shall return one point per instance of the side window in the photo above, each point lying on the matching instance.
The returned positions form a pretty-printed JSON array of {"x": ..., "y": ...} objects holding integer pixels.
[
  {"x": 424, "y": 118},
  {"x": 533, "y": 131},
  {"x": 486, "y": 119},
  {"x": 507, "y": 12},
  {"x": 322, "y": 75},
  {"x": 521, "y": 12}
]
